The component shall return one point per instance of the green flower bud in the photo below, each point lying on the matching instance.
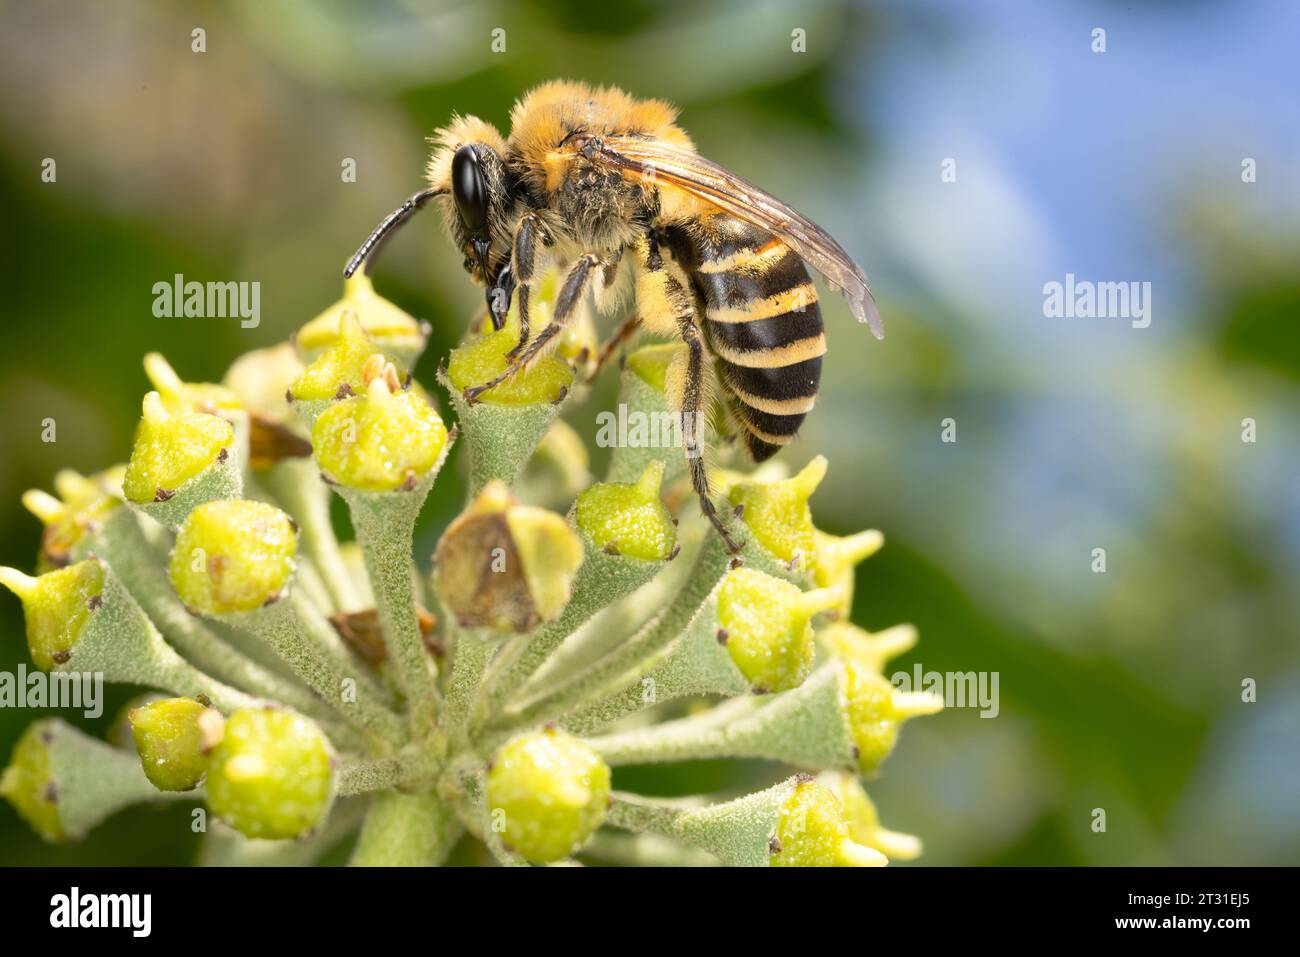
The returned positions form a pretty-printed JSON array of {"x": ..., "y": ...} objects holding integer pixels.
[
  {"x": 57, "y": 606},
  {"x": 764, "y": 622},
  {"x": 871, "y": 651},
  {"x": 340, "y": 370},
  {"x": 547, "y": 379},
  {"x": 28, "y": 785},
  {"x": 551, "y": 793},
  {"x": 233, "y": 556},
  {"x": 650, "y": 363},
  {"x": 171, "y": 448},
  {"x": 628, "y": 519},
  {"x": 385, "y": 324},
  {"x": 864, "y": 821},
  {"x": 178, "y": 396},
  {"x": 835, "y": 558},
  {"x": 381, "y": 441},
  {"x": 63, "y": 782},
  {"x": 506, "y": 566},
  {"x": 778, "y": 515},
  {"x": 119, "y": 731},
  {"x": 272, "y": 774},
  {"x": 876, "y": 709},
  {"x": 174, "y": 737},
  {"x": 82, "y": 508},
  {"x": 812, "y": 832}
]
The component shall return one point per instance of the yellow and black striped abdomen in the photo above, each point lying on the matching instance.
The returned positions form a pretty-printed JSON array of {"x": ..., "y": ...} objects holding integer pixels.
[{"x": 764, "y": 328}]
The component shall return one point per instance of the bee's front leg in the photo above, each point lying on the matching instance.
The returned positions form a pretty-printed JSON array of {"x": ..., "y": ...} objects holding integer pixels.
[
  {"x": 566, "y": 304},
  {"x": 498, "y": 295},
  {"x": 523, "y": 266}
]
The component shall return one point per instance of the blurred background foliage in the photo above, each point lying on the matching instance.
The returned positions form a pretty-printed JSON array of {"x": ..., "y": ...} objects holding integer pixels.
[{"x": 1120, "y": 690}]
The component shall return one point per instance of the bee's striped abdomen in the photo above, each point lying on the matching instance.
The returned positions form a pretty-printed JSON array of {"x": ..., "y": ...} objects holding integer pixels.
[{"x": 763, "y": 326}]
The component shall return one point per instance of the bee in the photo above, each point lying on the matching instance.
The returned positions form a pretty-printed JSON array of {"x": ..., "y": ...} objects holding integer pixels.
[{"x": 610, "y": 190}]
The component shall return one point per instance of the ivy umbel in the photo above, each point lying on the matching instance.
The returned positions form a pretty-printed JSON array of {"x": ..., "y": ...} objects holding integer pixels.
[{"x": 309, "y": 691}]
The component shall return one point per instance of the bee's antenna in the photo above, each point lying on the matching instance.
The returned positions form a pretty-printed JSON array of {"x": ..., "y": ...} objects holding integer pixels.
[{"x": 381, "y": 233}]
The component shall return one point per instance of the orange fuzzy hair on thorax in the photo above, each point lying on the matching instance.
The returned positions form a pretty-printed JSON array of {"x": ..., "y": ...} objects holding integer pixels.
[{"x": 543, "y": 117}]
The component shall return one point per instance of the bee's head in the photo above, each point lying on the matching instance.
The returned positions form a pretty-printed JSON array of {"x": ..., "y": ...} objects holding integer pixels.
[{"x": 477, "y": 202}]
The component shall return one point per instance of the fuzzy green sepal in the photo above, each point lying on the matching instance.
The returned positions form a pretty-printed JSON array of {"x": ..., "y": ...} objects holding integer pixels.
[
  {"x": 63, "y": 782},
  {"x": 500, "y": 438},
  {"x": 737, "y": 832}
]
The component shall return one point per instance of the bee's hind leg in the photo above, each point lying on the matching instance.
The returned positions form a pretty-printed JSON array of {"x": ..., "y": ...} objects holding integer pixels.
[
  {"x": 665, "y": 305},
  {"x": 693, "y": 424},
  {"x": 566, "y": 304}
]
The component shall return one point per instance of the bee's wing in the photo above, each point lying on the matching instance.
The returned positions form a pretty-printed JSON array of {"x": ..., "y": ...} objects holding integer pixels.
[{"x": 667, "y": 165}]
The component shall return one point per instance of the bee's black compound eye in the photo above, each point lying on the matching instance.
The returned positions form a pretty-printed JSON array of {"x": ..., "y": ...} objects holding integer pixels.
[{"x": 469, "y": 190}]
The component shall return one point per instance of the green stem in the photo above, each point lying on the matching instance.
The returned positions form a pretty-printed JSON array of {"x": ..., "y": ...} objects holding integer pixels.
[
  {"x": 385, "y": 525},
  {"x": 501, "y": 438},
  {"x": 296, "y": 484},
  {"x": 696, "y": 664},
  {"x": 383, "y": 774},
  {"x": 471, "y": 656},
  {"x": 308, "y": 644},
  {"x": 602, "y": 581},
  {"x": 807, "y": 727},
  {"x": 406, "y": 830},
  {"x": 736, "y": 831},
  {"x": 711, "y": 564},
  {"x": 645, "y": 849}
]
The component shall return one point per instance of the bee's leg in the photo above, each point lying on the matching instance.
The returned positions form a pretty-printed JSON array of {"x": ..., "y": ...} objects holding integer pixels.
[
  {"x": 626, "y": 329},
  {"x": 666, "y": 306},
  {"x": 524, "y": 266},
  {"x": 566, "y": 304},
  {"x": 693, "y": 423}
]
